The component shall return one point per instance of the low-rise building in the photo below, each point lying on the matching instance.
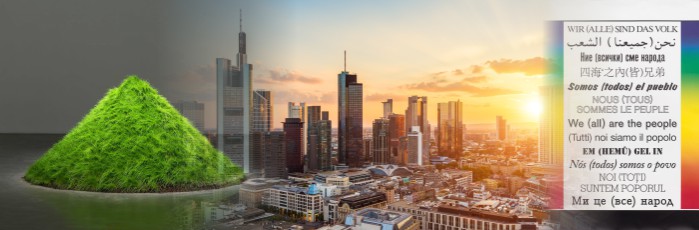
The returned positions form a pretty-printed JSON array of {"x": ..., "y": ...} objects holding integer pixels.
[
  {"x": 491, "y": 184},
  {"x": 416, "y": 210},
  {"x": 372, "y": 218},
  {"x": 354, "y": 203},
  {"x": 344, "y": 179},
  {"x": 461, "y": 218},
  {"x": 294, "y": 201},
  {"x": 251, "y": 191}
]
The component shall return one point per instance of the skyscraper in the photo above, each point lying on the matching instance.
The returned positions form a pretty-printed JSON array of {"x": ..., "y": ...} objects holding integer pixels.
[
  {"x": 312, "y": 158},
  {"x": 274, "y": 155},
  {"x": 318, "y": 146},
  {"x": 293, "y": 139},
  {"x": 261, "y": 125},
  {"x": 450, "y": 129},
  {"x": 257, "y": 155},
  {"x": 550, "y": 125},
  {"x": 324, "y": 127},
  {"x": 414, "y": 147},
  {"x": 350, "y": 112},
  {"x": 387, "y": 108},
  {"x": 233, "y": 105},
  {"x": 416, "y": 115},
  {"x": 501, "y": 128},
  {"x": 381, "y": 141},
  {"x": 299, "y": 111},
  {"x": 262, "y": 111},
  {"x": 192, "y": 110},
  {"x": 368, "y": 149},
  {"x": 396, "y": 130}
]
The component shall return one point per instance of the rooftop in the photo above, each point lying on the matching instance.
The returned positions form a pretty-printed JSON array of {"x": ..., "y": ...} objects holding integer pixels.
[{"x": 293, "y": 189}]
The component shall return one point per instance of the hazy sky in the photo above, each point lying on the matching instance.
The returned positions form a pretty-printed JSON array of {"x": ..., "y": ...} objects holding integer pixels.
[
  {"x": 59, "y": 58},
  {"x": 488, "y": 54}
]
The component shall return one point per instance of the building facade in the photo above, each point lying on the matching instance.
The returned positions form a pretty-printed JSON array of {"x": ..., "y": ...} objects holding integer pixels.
[
  {"x": 350, "y": 120},
  {"x": 381, "y": 141},
  {"x": 233, "y": 106},
  {"x": 414, "y": 148},
  {"x": 194, "y": 111},
  {"x": 550, "y": 125},
  {"x": 293, "y": 138},
  {"x": 396, "y": 130},
  {"x": 262, "y": 111},
  {"x": 501, "y": 128},
  {"x": 299, "y": 111},
  {"x": 319, "y": 142},
  {"x": 374, "y": 218},
  {"x": 274, "y": 155},
  {"x": 252, "y": 191},
  {"x": 387, "y": 108},
  {"x": 294, "y": 201},
  {"x": 450, "y": 129},
  {"x": 355, "y": 203},
  {"x": 416, "y": 115},
  {"x": 460, "y": 218}
]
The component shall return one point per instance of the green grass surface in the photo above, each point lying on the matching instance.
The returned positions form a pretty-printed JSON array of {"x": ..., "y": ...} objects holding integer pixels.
[{"x": 133, "y": 140}]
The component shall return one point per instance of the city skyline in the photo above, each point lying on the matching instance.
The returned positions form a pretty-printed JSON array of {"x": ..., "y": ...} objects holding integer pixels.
[{"x": 492, "y": 71}]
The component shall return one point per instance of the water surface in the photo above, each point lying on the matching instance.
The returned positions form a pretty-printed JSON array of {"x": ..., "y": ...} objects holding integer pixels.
[{"x": 26, "y": 206}]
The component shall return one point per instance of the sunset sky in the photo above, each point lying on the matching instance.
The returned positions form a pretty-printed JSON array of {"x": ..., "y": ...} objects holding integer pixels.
[{"x": 488, "y": 54}]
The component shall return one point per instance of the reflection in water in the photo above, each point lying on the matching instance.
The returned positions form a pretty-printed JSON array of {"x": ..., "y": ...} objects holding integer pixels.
[{"x": 31, "y": 207}]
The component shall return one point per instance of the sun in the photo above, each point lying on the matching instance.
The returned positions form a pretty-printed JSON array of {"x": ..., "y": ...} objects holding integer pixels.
[{"x": 533, "y": 108}]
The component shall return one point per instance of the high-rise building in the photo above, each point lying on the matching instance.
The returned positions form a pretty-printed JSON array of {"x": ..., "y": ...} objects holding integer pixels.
[
  {"x": 550, "y": 125},
  {"x": 381, "y": 138},
  {"x": 416, "y": 115},
  {"x": 192, "y": 110},
  {"x": 387, "y": 108},
  {"x": 324, "y": 127},
  {"x": 501, "y": 128},
  {"x": 396, "y": 130},
  {"x": 299, "y": 111},
  {"x": 274, "y": 155},
  {"x": 319, "y": 136},
  {"x": 261, "y": 124},
  {"x": 403, "y": 150},
  {"x": 450, "y": 129},
  {"x": 233, "y": 105},
  {"x": 350, "y": 121},
  {"x": 293, "y": 138},
  {"x": 368, "y": 149},
  {"x": 262, "y": 111},
  {"x": 414, "y": 147},
  {"x": 312, "y": 158},
  {"x": 257, "y": 155}
]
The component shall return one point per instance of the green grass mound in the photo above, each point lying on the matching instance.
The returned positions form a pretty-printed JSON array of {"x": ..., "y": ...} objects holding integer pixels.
[{"x": 133, "y": 141}]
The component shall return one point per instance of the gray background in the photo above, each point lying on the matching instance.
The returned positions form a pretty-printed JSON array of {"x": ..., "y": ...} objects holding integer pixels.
[{"x": 58, "y": 58}]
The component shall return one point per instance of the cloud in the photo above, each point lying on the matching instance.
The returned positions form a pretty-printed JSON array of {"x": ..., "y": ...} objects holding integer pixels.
[
  {"x": 531, "y": 66},
  {"x": 286, "y": 76},
  {"x": 476, "y": 69},
  {"x": 384, "y": 96},
  {"x": 310, "y": 97},
  {"x": 197, "y": 83},
  {"x": 476, "y": 79},
  {"x": 462, "y": 86}
]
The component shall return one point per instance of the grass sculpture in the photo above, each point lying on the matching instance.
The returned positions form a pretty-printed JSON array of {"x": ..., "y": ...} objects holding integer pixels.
[{"x": 133, "y": 140}]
